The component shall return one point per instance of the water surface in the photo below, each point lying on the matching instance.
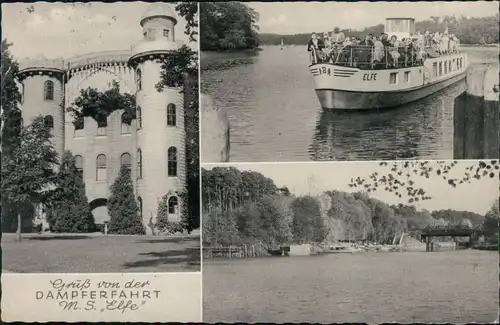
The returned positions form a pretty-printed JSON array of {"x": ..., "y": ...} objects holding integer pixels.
[{"x": 454, "y": 287}]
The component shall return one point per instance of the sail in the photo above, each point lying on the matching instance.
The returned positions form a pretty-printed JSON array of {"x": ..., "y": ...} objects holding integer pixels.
[
  {"x": 446, "y": 30},
  {"x": 281, "y": 42}
]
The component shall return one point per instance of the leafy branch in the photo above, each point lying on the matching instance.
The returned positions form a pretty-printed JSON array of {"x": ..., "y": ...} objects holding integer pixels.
[{"x": 400, "y": 179}]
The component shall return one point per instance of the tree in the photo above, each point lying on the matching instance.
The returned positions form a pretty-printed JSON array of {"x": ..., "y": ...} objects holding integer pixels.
[
  {"x": 122, "y": 206},
  {"x": 29, "y": 171},
  {"x": 228, "y": 26},
  {"x": 400, "y": 181},
  {"x": 189, "y": 11},
  {"x": 308, "y": 223},
  {"x": 491, "y": 222},
  {"x": 10, "y": 123},
  {"x": 99, "y": 105},
  {"x": 70, "y": 210}
]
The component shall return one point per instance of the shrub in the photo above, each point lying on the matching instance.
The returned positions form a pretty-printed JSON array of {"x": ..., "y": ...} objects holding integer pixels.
[
  {"x": 69, "y": 209},
  {"x": 122, "y": 207}
]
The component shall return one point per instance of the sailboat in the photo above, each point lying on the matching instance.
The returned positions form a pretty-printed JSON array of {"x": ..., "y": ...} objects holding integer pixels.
[{"x": 282, "y": 44}]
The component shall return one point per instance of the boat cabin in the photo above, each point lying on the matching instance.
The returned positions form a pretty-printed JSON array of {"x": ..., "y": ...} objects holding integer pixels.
[{"x": 401, "y": 27}]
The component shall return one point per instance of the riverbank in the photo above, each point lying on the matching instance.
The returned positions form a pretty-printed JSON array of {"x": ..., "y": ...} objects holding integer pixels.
[
  {"x": 254, "y": 251},
  {"x": 209, "y": 58}
]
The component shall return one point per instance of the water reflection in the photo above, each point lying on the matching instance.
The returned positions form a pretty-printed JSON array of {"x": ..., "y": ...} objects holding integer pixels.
[{"x": 422, "y": 129}]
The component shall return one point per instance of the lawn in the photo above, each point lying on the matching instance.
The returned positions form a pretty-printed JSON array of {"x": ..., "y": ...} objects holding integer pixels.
[{"x": 101, "y": 254}]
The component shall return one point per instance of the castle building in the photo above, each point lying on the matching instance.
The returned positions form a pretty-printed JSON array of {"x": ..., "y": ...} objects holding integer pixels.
[{"x": 152, "y": 145}]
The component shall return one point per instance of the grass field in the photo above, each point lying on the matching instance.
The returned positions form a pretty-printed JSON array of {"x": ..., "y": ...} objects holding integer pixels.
[{"x": 100, "y": 254}]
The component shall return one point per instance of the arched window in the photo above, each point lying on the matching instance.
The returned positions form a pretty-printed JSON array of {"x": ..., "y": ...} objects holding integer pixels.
[
  {"x": 171, "y": 115},
  {"x": 79, "y": 164},
  {"x": 48, "y": 122},
  {"x": 102, "y": 124},
  {"x": 138, "y": 79},
  {"x": 139, "y": 117},
  {"x": 173, "y": 205},
  {"x": 172, "y": 162},
  {"x": 125, "y": 124},
  {"x": 126, "y": 160},
  {"x": 139, "y": 163},
  {"x": 101, "y": 170},
  {"x": 48, "y": 90},
  {"x": 139, "y": 201}
]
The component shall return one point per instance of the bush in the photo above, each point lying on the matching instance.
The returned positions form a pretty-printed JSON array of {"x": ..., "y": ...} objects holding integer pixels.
[
  {"x": 166, "y": 227},
  {"x": 163, "y": 225},
  {"x": 122, "y": 207}
]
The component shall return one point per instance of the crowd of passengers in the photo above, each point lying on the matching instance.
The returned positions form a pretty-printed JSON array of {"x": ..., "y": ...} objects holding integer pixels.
[{"x": 381, "y": 51}]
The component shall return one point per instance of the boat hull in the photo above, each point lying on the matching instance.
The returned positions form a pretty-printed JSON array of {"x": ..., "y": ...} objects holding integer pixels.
[{"x": 359, "y": 100}]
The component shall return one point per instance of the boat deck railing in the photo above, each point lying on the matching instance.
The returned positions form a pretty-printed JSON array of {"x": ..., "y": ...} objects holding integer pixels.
[{"x": 371, "y": 58}]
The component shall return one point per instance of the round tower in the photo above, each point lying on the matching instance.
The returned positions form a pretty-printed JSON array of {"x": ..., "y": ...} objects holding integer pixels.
[
  {"x": 160, "y": 118},
  {"x": 43, "y": 94}
]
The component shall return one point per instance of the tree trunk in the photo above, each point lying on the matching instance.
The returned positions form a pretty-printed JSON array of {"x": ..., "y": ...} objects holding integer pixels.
[{"x": 19, "y": 227}]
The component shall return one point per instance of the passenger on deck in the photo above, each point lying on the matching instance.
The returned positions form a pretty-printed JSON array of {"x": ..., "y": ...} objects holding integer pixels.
[
  {"x": 378, "y": 54},
  {"x": 338, "y": 37},
  {"x": 445, "y": 43},
  {"x": 316, "y": 44},
  {"x": 385, "y": 39}
]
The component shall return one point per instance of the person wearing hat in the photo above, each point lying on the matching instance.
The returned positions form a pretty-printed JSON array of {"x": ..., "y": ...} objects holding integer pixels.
[{"x": 338, "y": 39}]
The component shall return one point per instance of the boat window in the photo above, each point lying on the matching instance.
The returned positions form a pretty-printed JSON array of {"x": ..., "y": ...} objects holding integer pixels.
[
  {"x": 407, "y": 76},
  {"x": 393, "y": 78},
  {"x": 445, "y": 67},
  {"x": 449, "y": 66},
  {"x": 434, "y": 69},
  {"x": 440, "y": 69}
]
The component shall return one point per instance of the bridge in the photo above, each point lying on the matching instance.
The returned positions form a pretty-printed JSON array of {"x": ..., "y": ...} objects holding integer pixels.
[{"x": 429, "y": 233}]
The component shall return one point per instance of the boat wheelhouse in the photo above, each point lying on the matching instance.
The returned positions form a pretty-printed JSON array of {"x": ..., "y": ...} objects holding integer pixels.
[{"x": 367, "y": 77}]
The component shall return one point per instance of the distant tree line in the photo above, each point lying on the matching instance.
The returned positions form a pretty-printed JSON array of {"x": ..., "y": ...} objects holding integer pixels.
[
  {"x": 228, "y": 26},
  {"x": 472, "y": 30},
  {"x": 245, "y": 207}
]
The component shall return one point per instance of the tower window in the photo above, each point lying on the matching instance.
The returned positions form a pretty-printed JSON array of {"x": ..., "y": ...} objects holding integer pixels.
[
  {"x": 102, "y": 124},
  {"x": 172, "y": 162},
  {"x": 125, "y": 124},
  {"x": 101, "y": 169},
  {"x": 138, "y": 79},
  {"x": 139, "y": 201},
  {"x": 48, "y": 90},
  {"x": 139, "y": 117},
  {"x": 166, "y": 33},
  {"x": 139, "y": 163},
  {"x": 126, "y": 160},
  {"x": 79, "y": 165},
  {"x": 48, "y": 122},
  {"x": 173, "y": 205},
  {"x": 171, "y": 115}
]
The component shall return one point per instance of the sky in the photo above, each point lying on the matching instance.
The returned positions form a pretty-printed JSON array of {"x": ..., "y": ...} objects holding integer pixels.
[
  {"x": 58, "y": 29},
  {"x": 316, "y": 177},
  {"x": 305, "y": 17}
]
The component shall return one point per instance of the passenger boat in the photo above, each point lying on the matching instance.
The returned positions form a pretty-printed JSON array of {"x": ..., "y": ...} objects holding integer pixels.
[{"x": 345, "y": 82}]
